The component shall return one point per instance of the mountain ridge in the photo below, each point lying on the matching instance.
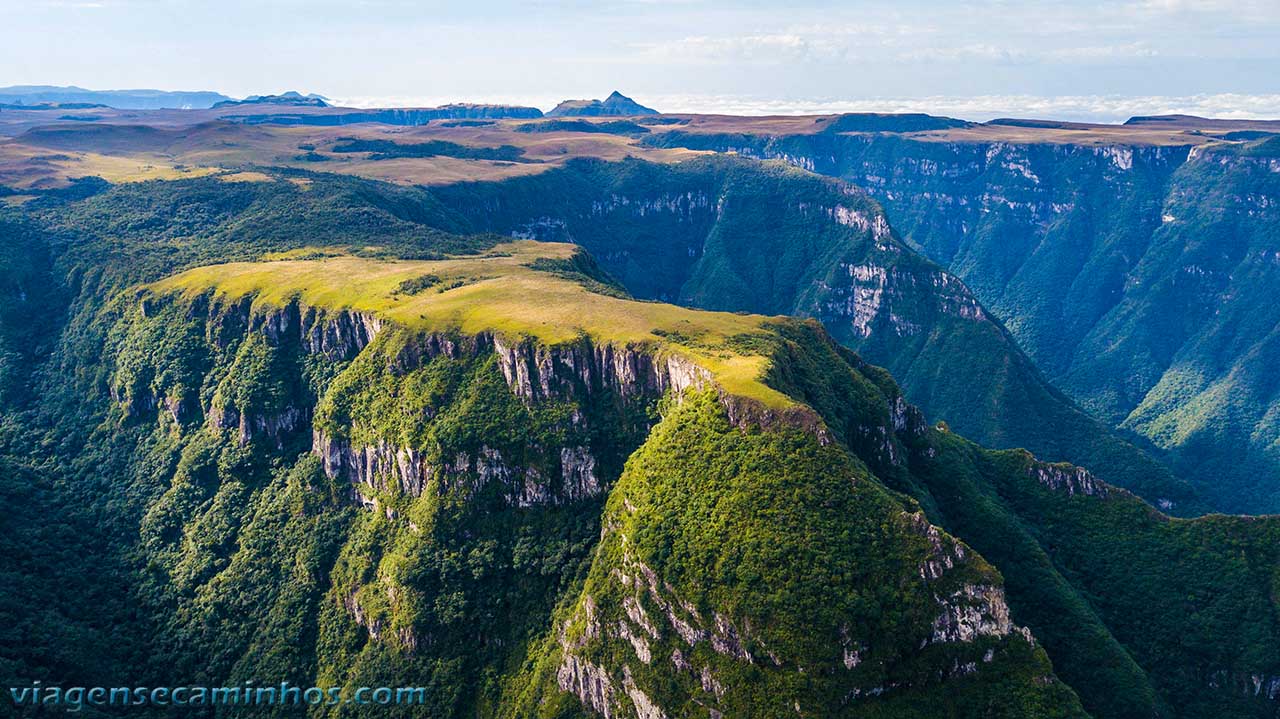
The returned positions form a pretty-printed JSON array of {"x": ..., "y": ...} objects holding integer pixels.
[
  {"x": 616, "y": 104},
  {"x": 124, "y": 99}
]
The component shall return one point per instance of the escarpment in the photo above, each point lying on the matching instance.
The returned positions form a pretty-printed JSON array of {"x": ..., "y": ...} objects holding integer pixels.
[
  {"x": 418, "y": 430},
  {"x": 1007, "y": 218},
  {"x": 728, "y": 234},
  {"x": 1130, "y": 273},
  {"x": 705, "y": 502},
  {"x": 568, "y": 388},
  {"x": 369, "y": 393}
]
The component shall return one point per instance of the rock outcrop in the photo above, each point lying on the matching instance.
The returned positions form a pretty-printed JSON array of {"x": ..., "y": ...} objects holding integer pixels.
[{"x": 576, "y": 374}]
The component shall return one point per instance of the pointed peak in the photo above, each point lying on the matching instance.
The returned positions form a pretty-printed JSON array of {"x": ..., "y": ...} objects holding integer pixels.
[{"x": 615, "y": 104}]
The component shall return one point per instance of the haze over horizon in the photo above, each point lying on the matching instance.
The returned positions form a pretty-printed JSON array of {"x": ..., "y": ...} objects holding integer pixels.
[{"x": 976, "y": 59}]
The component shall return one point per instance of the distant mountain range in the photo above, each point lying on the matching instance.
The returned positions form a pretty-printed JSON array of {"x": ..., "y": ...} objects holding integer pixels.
[
  {"x": 121, "y": 99},
  {"x": 30, "y": 96},
  {"x": 285, "y": 98}
]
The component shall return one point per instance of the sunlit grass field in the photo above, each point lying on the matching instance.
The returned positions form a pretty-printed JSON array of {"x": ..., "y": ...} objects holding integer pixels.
[{"x": 497, "y": 292}]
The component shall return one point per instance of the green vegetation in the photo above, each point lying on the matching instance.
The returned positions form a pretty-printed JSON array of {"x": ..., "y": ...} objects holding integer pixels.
[
  {"x": 308, "y": 431},
  {"x": 796, "y": 547},
  {"x": 736, "y": 235},
  {"x": 1172, "y": 609},
  {"x": 414, "y": 285},
  {"x": 506, "y": 292},
  {"x": 582, "y": 268},
  {"x": 144, "y": 231},
  {"x": 78, "y": 481},
  {"x": 390, "y": 150},
  {"x": 608, "y": 127},
  {"x": 1141, "y": 614}
]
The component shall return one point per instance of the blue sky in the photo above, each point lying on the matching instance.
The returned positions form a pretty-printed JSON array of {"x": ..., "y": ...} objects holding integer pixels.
[{"x": 972, "y": 58}]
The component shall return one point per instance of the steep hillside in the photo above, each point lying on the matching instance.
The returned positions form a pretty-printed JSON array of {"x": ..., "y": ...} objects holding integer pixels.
[
  {"x": 1197, "y": 327},
  {"x": 512, "y": 432},
  {"x": 1132, "y": 274},
  {"x": 341, "y": 468},
  {"x": 734, "y": 235},
  {"x": 482, "y": 470}
]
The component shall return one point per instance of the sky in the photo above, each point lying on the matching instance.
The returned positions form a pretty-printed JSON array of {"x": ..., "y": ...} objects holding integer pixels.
[{"x": 976, "y": 59}]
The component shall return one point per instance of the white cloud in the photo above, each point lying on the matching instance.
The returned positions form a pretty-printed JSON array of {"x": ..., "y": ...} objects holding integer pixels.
[
  {"x": 848, "y": 43},
  {"x": 980, "y": 108},
  {"x": 1195, "y": 6},
  {"x": 75, "y": 4},
  {"x": 976, "y": 51},
  {"x": 1102, "y": 52},
  {"x": 1082, "y": 108},
  {"x": 868, "y": 48},
  {"x": 769, "y": 48}
]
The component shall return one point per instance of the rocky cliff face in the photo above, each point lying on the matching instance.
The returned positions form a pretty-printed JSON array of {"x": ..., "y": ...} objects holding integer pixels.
[
  {"x": 731, "y": 235},
  {"x": 577, "y": 382},
  {"x": 972, "y": 615},
  {"x": 576, "y": 375},
  {"x": 1001, "y": 215},
  {"x": 374, "y": 461},
  {"x": 586, "y": 407},
  {"x": 1132, "y": 275}
]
